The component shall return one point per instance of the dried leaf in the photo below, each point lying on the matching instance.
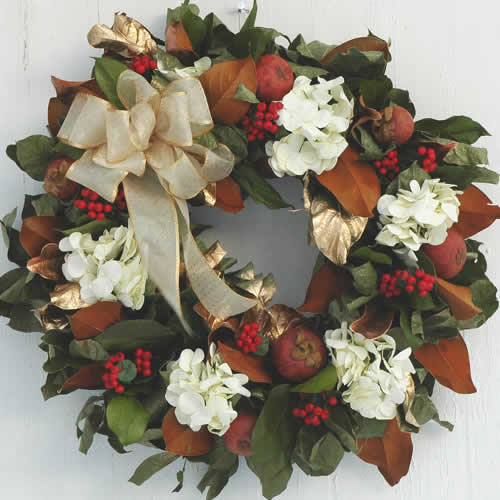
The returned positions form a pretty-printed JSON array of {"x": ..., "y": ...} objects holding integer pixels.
[
  {"x": 215, "y": 254},
  {"x": 67, "y": 90},
  {"x": 354, "y": 183},
  {"x": 364, "y": 44},
  {"x": 207, "y": 197},
  {"x": 37, "y": 231},
  {"x": 48, "y": 263},
  {"x": 252, "y": 366},
  {"x": 390, "y": 453},
  {"x": 67, "y": 297},
  {"x": 52, "y": 318},
  {"x": 88, "y": 377},
  {"x": 459, "y": 299},
  {"x": 448, "y": 362},
  {"x": 283, "y": 318},
  {"x": 178, "y": 44},
  {"x": 476, "y": 212},
  {"x": 215, "y": 323},
  {"x": 327, "y": 284},
  {"x": 182, "y": 440},
  {"x": 375, "y": 322},
  {"x": 369, "y": 114},
  {"x": 221, "y": 82},
  {"x": 409, "y": 397},
  {"x": 56, "y": 113},
  {"x": 91, "y": 321},
  {"x": 228, "y": 194}
]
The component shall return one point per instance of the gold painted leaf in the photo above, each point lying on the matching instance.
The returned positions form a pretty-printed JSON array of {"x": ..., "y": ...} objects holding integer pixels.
[
  {"x": 67, "y": 297},
  {"x": 52, "y": 318},
  {"x": 48, "y": 264}
]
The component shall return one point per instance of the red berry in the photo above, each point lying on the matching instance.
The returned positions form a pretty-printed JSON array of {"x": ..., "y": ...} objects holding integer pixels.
[
  {"x": 325, "y": 414},
  {"x": 296, "y": 412},
  {"x": 262, "y": 106},
  {"x": 85, "y": 192},
  {"x": 279, "y": 105},
  {"x": 386, "y": 277},
  {"x": 397, "y": 292},
  {"x": 93, "y": 196},
  {"x": 120, "y": 356},
  {"x": 431, "y": 154},
  {"x": 412, "y": 280},
  {"x": 139, "y": 362},
  {"x": 258, "y": 124},
  {"x": 100, "y": 216},
  {"x": 261, "y": 136},
  {"x": 392, "y": 154},
  {"x": 115, "y": 369},
  {"x": 253, "y": 348},
  {"x": 419, "y": 273},
  {"x": 421, "y": 150},
  {"x": 147, "y": 372},
  {"x": 251, "y": 138},
  {"x": 259, "y": 340},
  {"x": 153, "y": 64},
  {"x": 274, "y": 128},
  {"x": 139, "y": 352},
  {"x": 92, "y": 214},
  {"x": 108, "y": 365},
  {"x": 383, "y": 171},
  {"x": 108, "y": 208},
  {"x": 99, "y": 207},
  {"x": 377, "y": 163},
  {"x": 318, "y": 410},
  {"x": 332, "y": 401},
  {"x": 268, "y": 116},
  {"x": 410, "y": 288},
  {"x": 239, "y": 343},
  {"x": 404, "y": 275},
  {"x": 302, "y": 414},
  {"x": 386, "y": 162},
  {"x": 259, "y": 116},
  {"x": 119, "y": 389},
  {"x": 309, "y": 407},
  {"x": 246, "y": 349},
  {"x": 308, "y": 420},
  {"x": 316, "y": 421}
]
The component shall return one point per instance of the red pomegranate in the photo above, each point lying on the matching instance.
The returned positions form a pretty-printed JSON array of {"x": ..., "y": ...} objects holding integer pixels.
[
  {"x": 274, "y": 78},
  {"x": 396, "y": 125},
  {"x": 299, "y": 354},
  {"x": 238, "y": 438},
  {"x": 55, "y": 182},
  {"x": 448, "y": 258}
]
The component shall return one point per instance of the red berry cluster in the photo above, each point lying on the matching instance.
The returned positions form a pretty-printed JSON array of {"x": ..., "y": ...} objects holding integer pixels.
[
  {"x": 96, "y": 207},
  {"x": 110, "y": 378},
  {"x": 389, "y": 165},
  {"x": 140, "y": 64},
  {"x": 249, "y": 339},
  {"x": 393, "y": 286},
  {"x": 429, "y": 162},
  {"x": 143, "y": 362},
  {"x": 263, "y": 121},
  {"x": 313, "y": 414}
]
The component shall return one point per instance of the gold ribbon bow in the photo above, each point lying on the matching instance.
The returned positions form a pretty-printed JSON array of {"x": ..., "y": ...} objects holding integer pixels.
[{"x": 153, "y": 140}]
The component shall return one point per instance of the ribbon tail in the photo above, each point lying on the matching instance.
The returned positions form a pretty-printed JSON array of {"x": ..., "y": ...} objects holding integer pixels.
[
  {"x": 155, "y": 221},
  {"x": 215, "y": 295}
]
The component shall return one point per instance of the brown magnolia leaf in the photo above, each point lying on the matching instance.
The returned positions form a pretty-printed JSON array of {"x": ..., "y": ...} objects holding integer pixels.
[
  {"x": 369, "y": 114},
  {"x": 221, "y": 82},
  {"x": 52, "y": 318},
  {"x": 37, "y": 231},
  {"x": 67, "y": 297},
  {"x": 476, "y": 212},
  {"x": 333, "y": 230},
  {"x": 391, "y": 453},
  {"x": 354, "y": 183},
  {"x": 252, "y": 366},
  {"x": 48, "y": 264},
  {"x": 88, "y": 377},
  {"x": 182, "y": 440},
  {"x": 93, "y": 320},
  {"x": 459, "y": 299},
  {"x": 56, "y": 113},
  {"x": 364, "y": 44},
  {"x": 448, "y": 362},
  {"x": 228, "y": 194},
  {"x": 215, "y": 323},
  {"x": 178, "y": 44},
  {"x": 327, "y": 284},
  {"x": 375, "y": 322},
  {"x": 67, "y": 90}
]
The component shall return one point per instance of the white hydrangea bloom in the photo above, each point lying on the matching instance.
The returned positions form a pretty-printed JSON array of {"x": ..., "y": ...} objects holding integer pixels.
[
  {"x": 199, "y": 67},
  {"x": 201, "y": 391},
  {"x": 376, "y": 378},
  {"x": 316, "y": 115},
  {"x": 108, "y": 269},
  {"x": 421, "y": 215}
]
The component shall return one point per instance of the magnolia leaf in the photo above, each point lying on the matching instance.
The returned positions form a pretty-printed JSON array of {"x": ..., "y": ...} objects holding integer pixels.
[
  {"x": 363, "y": 44},
  {"x": 221, "y": 82},
  {"x": 178, "y": 43},
  {"x": 182, "y": 440},
  {"x": 391, "y": 453},
  {"x": 88, "y": 349},
  {"x": 127, "y": 419},
  {"x": 325, "y": 380},
  {"x": 48, "y": 264},
  {"x": 36, "y": 232},
  {"x": 327, "y": 284},
  {"x": 92, "y": 321},
  {"x": 448, "y": 362},
  {"x": 457, "y": 128},
  {"x": 375, "y": 322},
  {"x": 354, "y": 183},
  {"x": 67, "y": 297},
  {"x": 463, "y": 154},
  {"x": 228, "y": 195},
  {"x": 88, "y": 377},
  {"x": 243, "y": 94},
  {"x": 366, "y": 253},
  {"x": 308, "y": 71},
  {"x": 151, "y": 466},
  {"x": 107, "y": 71},
  {"x": 66, "y": 90},
  {"x": 253, "y": 367},
  {"x": 33, "y": 155},
  {"x": 459, "y": 299},
  {"x": 476, "y": 212}
]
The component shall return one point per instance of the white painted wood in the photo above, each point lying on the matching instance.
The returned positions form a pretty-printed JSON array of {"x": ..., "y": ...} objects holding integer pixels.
[{"x": 444, "y": 52}]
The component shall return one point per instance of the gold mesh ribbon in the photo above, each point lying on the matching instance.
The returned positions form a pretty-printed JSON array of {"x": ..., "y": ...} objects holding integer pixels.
[{"x": 152, "y": 139}]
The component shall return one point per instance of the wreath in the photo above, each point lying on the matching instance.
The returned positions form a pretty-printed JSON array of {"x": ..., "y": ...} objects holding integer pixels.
[{"x": 192, "y": 358}]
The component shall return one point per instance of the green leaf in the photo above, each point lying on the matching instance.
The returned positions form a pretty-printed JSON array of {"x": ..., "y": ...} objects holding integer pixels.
[
  {"x": 357, "y": 64},
  {"x": 424, "y": 410},
  {"x": 12, "y": 285},
  {"x": 66, "y": 151},
  {"x": 167, "y": 62},
  {"x": 243, "y": 94},
  {"x": 94, "y": 227},
  {"x": 372, "y": 150},
  {"x": 484, "y": 295},
  {"x": 324, "y": 380},
  {"x": 22, "y": 319},
  {"x": 33, "y": 155},
  {"x": 195, "y": 27},
  {"x": 367, "y": 253},
  {"x": 128, "y": 371},
  {"x": 401, "y": 98},
  {"x": 258, "y": 188},
  {"x": 263, "y": 348},
  {"x": 16, "y": 253},
  {"x": 376, "y": 92},
  {"x": 88, "y": 349},
  {"x": 365, "y": 428},
  {"x": 464, "y": 176},
  {"x": 45, "y": 204},
  {"x": 340, "y": 423},
  {"x": 127, "y": 418},
  {"x": 208, "y": 140},
  {"x": 91, "y": 426},
  {"x": 106, "y": 72},
  {"x": 441, "y": 325},
  {"x": 402, "y": 181},
  {"x": 463, "y": 154},
  {"x": 151, "y": 466},
  {"x": 308, "y": 71},
  {"x": 457, "y": 128},
  {"x": 413, "y": 341},
  {"x": 231, "y": 137},
  {"x": 253, "y": 42},
  {"x": 54, "y": 365},
  {"x": 365, "y": 278},
  {"x": 252, "y": 16}
]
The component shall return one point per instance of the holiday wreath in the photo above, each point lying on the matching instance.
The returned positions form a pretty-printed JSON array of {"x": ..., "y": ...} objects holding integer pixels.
[{"x": 192, "y": 358}]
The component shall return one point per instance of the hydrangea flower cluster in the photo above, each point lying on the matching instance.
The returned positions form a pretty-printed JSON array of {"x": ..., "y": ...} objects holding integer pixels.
[
  {"x": 108, "y": 269},
  {"x": 376, "y": 378},
  {"x": 420, "y": 215},
  {"x": 316, "y": 115},
  {"x": 201, "y": 391}
]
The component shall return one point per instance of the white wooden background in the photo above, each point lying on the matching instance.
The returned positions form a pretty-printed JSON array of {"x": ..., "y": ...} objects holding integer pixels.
[{"x": 445, "y": 53}]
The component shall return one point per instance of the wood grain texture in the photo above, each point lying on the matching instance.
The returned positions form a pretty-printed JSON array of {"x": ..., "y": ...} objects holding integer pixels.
[{"x": 444, "y": 53}]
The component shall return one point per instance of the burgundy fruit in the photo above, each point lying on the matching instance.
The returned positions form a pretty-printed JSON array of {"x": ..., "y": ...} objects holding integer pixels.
[
  {"x": 274, "y": 78},
  {"x": 238, "y": 438},
  {"x": 448, "y": 258},
  {"x": 299, "y": 354},
  {"x": 55, "y": 181},
  {"x": 396, "y": 125}
]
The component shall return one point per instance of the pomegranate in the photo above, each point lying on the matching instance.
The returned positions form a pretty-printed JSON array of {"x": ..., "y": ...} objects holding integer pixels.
[
  {"x": 396, "y": 125},
  {"x": 298, "y": 354},
  {"x": 448, "y": 258},
  {"x": 238, "y": 438},
  {"x": 274, "y": 78},
  {"x": 55, "y": 182}
]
